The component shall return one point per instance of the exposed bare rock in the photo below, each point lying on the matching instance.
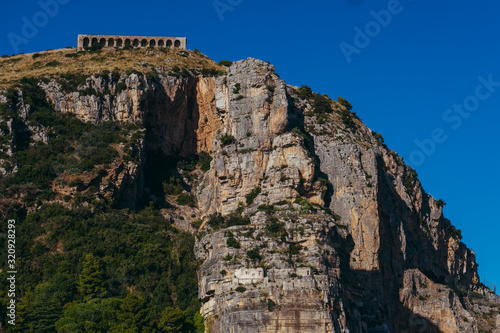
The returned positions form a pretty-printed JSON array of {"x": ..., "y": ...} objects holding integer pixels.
[
  {"x": 253, "y": 110},
  {"x": 287, "y": 290},
  {"x": 124, "y": 184},
  {"x": 395, "y": 233},
  {"x": 323, "y": 228},
  {"x": 497, "y": 330},
  {"x": 440, "y": 305}
]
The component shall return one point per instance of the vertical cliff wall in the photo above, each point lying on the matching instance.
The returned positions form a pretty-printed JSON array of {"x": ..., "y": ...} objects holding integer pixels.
[
  {"x": 309, "y": 222},
  {"x": 356, "y": 216}
]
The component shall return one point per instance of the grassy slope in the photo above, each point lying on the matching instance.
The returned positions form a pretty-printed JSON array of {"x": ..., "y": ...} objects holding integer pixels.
[{"x": 56, "y": 62}]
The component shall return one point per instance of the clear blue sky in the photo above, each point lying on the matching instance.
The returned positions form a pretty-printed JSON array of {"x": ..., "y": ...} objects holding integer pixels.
[{"x": 416, "y": 67}]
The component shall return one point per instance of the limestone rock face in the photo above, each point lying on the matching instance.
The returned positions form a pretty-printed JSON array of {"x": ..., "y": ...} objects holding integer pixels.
[
  {"x": 394, "y": 228},
  {"x": 325, "y": 228},
  {"x": 124, "y": 184},
  {"x": 178, "y": 113},
  {"x": 441, "y": 307},
  {"x": 254, "y": 115},
  {"x": 386, "y": 231},
  {"x": 497, "y": 324},
  {"x": 241, "y": 296}
]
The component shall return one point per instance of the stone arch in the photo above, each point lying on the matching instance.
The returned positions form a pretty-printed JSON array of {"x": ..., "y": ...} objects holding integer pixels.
[
  {"x": 169, "y": 43},
  {"x": 127, "y": 41},
  {"x": 119, "y": 42},
  {"x": 111, "y": 42},
  {"x": 86, "y": 42},
  {"x": 161, "y": 43},
  {"x": 94, "y": 41},
  {"x": 135, "y": 43},
  {"x": 177, "y": 43},
  {"x": 144, "y": 43},
  {"x": 152, "y": 43},
  {"x": 102, "y": 41}
]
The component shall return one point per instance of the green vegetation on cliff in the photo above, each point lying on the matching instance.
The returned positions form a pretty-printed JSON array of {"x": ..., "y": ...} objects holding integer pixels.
[
  {"x": 85, "y": 265},
  {"x": 103, "y": 269},
  {"x": 90, "y": 265}
]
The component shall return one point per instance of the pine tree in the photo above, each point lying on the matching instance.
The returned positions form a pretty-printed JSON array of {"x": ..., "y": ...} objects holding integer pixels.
[
  {"x": 134, "y": 313},
  {"x": 49, "y": 299},
  {"x": 92, "y": 280},
  {"x": 199, "y": 323},
  {"x": 175, "y": 320}
]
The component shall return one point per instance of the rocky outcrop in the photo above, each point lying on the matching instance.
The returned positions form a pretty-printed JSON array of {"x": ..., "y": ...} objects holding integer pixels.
[
  {"x": 391, "y": 231},
  {"x": 178, "y": 112},
  {"x": 282, "y": 287},
  {"x": 322, "y": 227},
  {"x": 255, "y": 148},
  {"x": 441, "y": 307},
  {"x": 394, "y": 228}
]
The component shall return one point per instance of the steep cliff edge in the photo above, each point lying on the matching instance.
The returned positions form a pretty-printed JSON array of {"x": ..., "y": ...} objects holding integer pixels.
[
  {"x": 305, "y": 220},
  {"x": 356, "y": 230}
]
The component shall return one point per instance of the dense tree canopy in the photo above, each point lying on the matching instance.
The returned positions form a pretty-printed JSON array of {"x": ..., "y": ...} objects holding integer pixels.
[{"x": 112, "y": 271}]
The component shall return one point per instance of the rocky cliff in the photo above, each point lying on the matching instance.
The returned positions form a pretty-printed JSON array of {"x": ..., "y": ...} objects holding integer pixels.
[
  {"x": 355, "y": 228},
  {"x": 307, "y": 221}
]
